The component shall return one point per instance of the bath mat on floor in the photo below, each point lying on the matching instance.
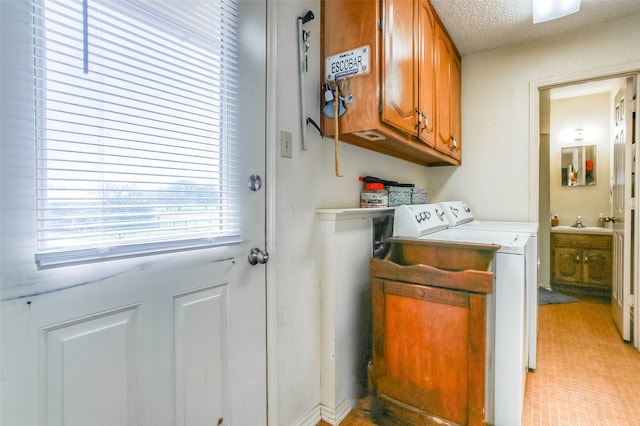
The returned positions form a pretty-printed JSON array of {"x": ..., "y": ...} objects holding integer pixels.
[{"x": 549, "y": 297}]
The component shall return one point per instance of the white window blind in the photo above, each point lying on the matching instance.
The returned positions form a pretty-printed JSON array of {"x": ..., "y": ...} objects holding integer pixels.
[{"x": 135, "y": 106}]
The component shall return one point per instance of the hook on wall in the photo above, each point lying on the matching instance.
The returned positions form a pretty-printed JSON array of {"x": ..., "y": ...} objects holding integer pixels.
[{"x": 304, "y": 42}]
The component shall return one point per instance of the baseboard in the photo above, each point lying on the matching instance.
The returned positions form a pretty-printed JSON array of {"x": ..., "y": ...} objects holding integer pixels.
[
  {"x": 327, "y": 414},
  {"x": 312, "y": 418},
  {"x": 335, "y": 416}
]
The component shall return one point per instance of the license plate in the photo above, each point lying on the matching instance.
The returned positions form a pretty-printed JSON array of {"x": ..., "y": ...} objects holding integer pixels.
[{"x": 348, "y": 64}]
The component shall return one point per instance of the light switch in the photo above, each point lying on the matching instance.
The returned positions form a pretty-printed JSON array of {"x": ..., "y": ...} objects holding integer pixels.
[{"x": 285, "y": 144}]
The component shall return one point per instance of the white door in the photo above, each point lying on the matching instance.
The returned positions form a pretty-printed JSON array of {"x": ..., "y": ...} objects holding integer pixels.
[
  {"x": 635, "y": 228},
  {"x": 622, "y": 159},
  {"x": 175, "y": 339}
]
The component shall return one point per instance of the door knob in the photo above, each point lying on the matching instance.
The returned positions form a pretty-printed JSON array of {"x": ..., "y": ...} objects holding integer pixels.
[
  {"x": 255, "y": 182},
  {"x": 258, "y": 256}
]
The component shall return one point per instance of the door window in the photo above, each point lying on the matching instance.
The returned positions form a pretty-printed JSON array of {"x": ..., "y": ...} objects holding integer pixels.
[{"x": 135, "y": 128}]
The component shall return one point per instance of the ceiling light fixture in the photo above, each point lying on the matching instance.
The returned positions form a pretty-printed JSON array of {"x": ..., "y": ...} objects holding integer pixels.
[{"x": 546, "y": 10}]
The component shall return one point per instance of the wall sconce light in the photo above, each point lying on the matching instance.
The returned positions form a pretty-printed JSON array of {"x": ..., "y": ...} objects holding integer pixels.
[{"x": 578, "y": 134}]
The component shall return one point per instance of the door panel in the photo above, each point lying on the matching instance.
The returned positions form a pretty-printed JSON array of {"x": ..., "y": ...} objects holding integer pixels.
[
  {"x": 92, "y": 368},
  {"x": 621, "y": 285},
  {"x": 426, "y": 78},
  {"x": 399, "y": 73},
  {"x": 597, "y": 267},
  {"x": 456, "y": 107},
  {"x": 443, "y": 58},
  {"x": 567, "y": 265},
  {"x": 201, "y": 342},
  {"x": 154, "y": 351}
]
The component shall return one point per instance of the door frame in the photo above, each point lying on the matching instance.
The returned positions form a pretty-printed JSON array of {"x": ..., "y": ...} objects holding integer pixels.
[
  {"x": 535, "y": 86},
  {"x": 270, "y": 205}
]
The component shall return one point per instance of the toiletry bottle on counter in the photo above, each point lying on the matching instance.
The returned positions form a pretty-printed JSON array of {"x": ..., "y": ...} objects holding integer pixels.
[{"x": 374, "y": 195}]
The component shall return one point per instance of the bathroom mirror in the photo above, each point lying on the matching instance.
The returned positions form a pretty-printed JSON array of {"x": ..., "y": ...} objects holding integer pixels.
[{"x": 578, "y": 165}]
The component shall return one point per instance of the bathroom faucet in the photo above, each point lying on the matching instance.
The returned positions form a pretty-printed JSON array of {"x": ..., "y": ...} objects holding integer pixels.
[
  {"x": 603, "y": 220},
  {"x": 578, "y": 223}
]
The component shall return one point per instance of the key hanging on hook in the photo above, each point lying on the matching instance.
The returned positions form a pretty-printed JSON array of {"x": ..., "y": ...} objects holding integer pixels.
[
  {"x": 333, "y": 95},
  {"x": 306, "y": 40}
]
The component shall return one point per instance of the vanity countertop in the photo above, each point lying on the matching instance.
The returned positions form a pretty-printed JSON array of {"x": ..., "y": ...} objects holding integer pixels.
[{"x": 564, "y": 229}]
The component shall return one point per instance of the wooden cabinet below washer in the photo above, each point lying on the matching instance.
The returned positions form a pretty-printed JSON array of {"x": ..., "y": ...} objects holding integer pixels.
[{"x": 430, "y": 352}]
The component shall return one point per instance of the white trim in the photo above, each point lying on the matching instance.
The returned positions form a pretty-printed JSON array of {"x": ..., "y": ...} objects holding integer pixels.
[
  {"x": 335, "y": 417},
  {"x": 636, "y": 215},
  {"x": 270, "y": 198},
  {"x": 534, "y": 145},
  {"x": 534, "y": 119},
  {"x": 310, "y": 419},
  {"x": 125, "y": 251},
  {"x": 352, "y": 213},
  {"x": 534, "y": 151}
]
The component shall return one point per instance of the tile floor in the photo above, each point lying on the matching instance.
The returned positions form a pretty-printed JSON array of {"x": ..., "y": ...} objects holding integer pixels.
[{"x": 586, "y": 374}]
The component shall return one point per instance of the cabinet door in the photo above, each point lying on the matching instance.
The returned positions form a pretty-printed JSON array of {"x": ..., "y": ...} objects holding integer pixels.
[
  {"x": 456, "y": 107},
  {"x": 426, "y": 79},
  {"x": 567, "y": 265},
  {"x": 597, "y": 267},
  {"x": 399, "y": 98},
  {"x": 429, "y": 346},
  {"x": 443, "y": 57},
  {"x": 447, "y": 72}
]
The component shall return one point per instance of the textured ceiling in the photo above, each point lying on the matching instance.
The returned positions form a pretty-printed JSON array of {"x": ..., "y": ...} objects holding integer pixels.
[{"x": 478, "y": 25}]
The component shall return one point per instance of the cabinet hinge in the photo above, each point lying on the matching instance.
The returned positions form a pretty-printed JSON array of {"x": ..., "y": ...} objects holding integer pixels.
[
  {"x": 380, "y": 24},
  {"x": 380, "y": 107}
]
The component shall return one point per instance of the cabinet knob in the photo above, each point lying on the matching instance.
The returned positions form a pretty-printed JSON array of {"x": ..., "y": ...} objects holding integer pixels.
[
  {"x": 454, "y": 144},
  {"x": 577, "y": 258}
]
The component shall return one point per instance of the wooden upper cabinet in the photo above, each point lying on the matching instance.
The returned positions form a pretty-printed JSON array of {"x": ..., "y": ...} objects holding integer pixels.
[{"x": 396, "y": 107}]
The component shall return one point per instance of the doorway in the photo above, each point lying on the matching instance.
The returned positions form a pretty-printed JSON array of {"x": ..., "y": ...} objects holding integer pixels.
[{"x": 575, "y": 116}]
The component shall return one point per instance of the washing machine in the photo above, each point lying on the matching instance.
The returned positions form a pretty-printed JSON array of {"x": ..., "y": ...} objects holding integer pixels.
[
  {"x": 460, "y": 215},
  {"x": 506, "y": 325}
]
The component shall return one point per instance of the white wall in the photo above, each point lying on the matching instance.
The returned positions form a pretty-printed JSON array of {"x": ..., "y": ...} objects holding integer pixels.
[
  {"x": 494, "y": 177},
  {"x": 593, "y": 114},
  {"x": 303, "y": 184},
  {"x": 496, "y": 112}
]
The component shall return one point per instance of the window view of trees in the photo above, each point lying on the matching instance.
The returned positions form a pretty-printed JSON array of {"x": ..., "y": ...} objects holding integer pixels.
[{"x": 135, "y": 122}]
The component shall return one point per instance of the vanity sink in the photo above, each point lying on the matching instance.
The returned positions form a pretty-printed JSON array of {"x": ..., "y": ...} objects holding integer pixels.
[{"x": 584, "y": 230}]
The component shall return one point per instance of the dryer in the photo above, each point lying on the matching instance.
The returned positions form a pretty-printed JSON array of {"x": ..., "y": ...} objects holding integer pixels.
[{"x": 460, "y": 215}]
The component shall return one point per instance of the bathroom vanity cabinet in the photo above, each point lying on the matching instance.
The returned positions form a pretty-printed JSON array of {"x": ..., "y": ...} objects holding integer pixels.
[{"x": 581, "y": 259}]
